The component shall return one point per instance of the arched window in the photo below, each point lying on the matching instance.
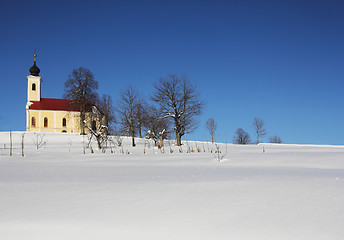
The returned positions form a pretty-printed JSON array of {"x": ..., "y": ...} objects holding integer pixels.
[
  {"x": 64, "y": 131},
  {"x": 34, "y": 87},
  {"x": 45, "y": 122},
  {"x": 33, "y": 122},
  {"x": 64, "y": 122}
]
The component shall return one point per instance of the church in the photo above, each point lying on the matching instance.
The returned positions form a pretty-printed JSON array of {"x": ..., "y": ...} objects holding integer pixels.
[{"x": 50, "y": 114}]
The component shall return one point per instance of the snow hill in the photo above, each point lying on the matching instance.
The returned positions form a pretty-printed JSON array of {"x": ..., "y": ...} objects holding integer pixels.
[{"x": 58, "y": 192}]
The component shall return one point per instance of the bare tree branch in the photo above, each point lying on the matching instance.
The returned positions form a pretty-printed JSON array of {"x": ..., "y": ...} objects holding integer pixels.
[
  {"x": 81, "y": 87},
  {"x": 105, "y": 106},
  {"x": 275, "y": 139},
  {"x": 211, "y": 126},
  {"x": 178, "y": 100},
  {"x": 127, "y": 109},
  {"x": 241, "y": 137},
  {"x": 259, "y": 128}
]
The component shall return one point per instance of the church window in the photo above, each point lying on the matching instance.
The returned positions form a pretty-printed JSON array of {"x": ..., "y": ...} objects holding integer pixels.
[
  {"x": 33, "y": 122},
  {"x": 34, "y": 87},
  {"x": 64, "y": 122},
  {"x": 45, "y": 122}
]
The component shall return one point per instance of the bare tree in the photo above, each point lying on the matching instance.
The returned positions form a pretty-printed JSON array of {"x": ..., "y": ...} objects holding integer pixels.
[
  {"x": 211, "y": 125},
  {"x": 259, "y": 128},
  {"x": 220, "y": 155},
  {"x": 81, "y": 87},
  {"x": 275, "y": 139},
  {"x": 241, "y": 137},
  {"x": 38, "y": 140},
  {"x": 141, "y": 115},
  {"x": 127, "y": 108},
  {"x": 158, "y": 128},
  {"x": 106, "y": 107},
  {"x": 97, "y": 129},
  {"x": 179, "y": 101}
]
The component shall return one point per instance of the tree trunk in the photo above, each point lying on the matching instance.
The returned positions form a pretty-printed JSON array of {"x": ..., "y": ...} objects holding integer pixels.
[
  {"x": 98, "y": 141},
  {"x": 161, "y": 142},
  {"x": 82, "y": 124},
  {"x": 133, "y": 140},
  {"x": 179, "y": 139},
  {"x": 140, "y": 129}
]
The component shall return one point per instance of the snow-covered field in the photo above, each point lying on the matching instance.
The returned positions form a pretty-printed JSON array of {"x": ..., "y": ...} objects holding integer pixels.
[{"x": 57, "y": 192}]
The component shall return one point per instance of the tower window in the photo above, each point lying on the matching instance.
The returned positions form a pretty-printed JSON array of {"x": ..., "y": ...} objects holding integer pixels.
[
  {"x": 64, "y": 122},
  {"x": 34, "y": 87},
  {"x": 45, "y": 122},
  {"x": 33, "y": 122}
]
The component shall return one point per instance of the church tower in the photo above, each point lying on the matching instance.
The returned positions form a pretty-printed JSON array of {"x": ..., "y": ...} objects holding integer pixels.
[{"x": 34, "y": 83}]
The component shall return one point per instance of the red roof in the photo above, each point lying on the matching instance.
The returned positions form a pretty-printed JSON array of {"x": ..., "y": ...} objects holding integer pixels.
[{"x": 54, "y": 104}]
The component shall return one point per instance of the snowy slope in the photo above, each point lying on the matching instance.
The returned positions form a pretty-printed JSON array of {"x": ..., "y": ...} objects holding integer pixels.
[{"x": 57, "y": 192}]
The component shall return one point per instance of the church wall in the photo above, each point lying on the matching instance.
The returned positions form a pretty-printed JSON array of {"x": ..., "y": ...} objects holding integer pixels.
[
  {"x": 69, "y": 119},
  {"x": 50, "y": 126},
  {"x": 33, "y": 123},
  {"x": 55, "y": 121}
]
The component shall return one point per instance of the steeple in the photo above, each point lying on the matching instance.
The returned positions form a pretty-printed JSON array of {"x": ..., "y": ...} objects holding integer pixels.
[
  {"x": 34, "y": 83},
  {"x": 34, "y": 70}
]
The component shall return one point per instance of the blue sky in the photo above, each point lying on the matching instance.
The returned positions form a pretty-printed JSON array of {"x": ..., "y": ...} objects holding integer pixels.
[{"x": 281, "y": 61}]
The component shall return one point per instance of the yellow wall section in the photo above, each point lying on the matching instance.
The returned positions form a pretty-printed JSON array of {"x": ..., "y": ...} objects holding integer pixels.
[
  {"x": 36, "y": 116},
  {"x": 51, "y": 122},
  {"x": 34, "y": 95},
  {"x": 55, "y": 121}
]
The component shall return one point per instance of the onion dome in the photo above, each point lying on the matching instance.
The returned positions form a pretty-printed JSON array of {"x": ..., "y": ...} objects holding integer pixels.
[{"x": 34, "y": 70}]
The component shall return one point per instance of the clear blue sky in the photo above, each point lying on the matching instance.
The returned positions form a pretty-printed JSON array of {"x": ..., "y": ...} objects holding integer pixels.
[{"x": 281, "y": 61}]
